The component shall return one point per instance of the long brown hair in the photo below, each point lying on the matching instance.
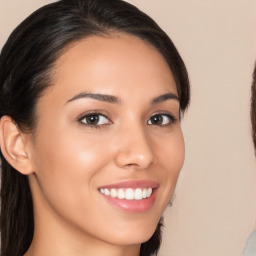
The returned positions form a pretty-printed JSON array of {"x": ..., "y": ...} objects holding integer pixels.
[{"x": 253, "y": 107}]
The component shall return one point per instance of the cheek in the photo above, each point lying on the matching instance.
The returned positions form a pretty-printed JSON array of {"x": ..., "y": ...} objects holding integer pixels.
[
  {"x": 67, "y": 175},
  {"x": 177, "y": 153},
  {"x": 171, "y": 156},
  {"x": 66, "y": 166},
  {"x": 171, "y": 152},
  {"x": 69, "y": 152}
]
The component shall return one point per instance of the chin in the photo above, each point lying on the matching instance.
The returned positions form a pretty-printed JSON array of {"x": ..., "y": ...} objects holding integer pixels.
[{"x": 135, "y": 235}]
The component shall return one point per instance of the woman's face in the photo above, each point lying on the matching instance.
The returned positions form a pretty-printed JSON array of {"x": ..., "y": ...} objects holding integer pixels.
[{"x": 108, "y": 147}]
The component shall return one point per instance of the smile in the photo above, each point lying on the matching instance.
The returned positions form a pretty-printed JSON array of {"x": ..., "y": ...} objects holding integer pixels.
[
  {"x": 134, "y": 196},
  {"x": 127, "y": 193}
]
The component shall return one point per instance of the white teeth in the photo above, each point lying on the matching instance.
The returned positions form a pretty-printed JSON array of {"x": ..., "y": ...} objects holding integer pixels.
[
  {"x": 128, "y": 194},
  {"x": 138, "y": 194},
  {"x": 144, "y": 193},
  {"x": 113, "y": 192},
  {"x": 121, "y": 194},
  {"x": 149, "y": 192},
  {"x": 106, "y": 192}
]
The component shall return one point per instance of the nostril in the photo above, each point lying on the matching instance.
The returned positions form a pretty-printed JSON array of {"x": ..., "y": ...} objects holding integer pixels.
[
  {"x": 135, "y": 151},
  {"x": 133, "y": 161}
]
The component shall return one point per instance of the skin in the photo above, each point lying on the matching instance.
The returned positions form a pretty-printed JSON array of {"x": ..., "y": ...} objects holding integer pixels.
[{"x": 68, "y": 160}]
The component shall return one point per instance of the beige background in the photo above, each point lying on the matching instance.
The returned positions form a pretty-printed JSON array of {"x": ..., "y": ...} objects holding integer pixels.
[{"x": 215, "y": 206}]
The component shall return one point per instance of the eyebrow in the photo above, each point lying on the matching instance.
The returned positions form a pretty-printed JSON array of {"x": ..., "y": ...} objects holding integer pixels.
[
  {"x": 165, "y": 97},
  {"x": 97, "y": 96},
  {"x": 114, "y": 99}
]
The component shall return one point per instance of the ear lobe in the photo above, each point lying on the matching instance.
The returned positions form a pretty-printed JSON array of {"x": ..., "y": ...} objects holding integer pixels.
[{"x": 13, "y": 146}]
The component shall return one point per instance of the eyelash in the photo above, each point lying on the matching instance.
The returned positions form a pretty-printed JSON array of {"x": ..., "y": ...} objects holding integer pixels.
[
  {"x": 171, "y": 119},
  {"x": 94, "y": 114}
]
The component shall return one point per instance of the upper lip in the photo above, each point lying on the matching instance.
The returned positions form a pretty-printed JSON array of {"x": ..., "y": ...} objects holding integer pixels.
[{"x": 133, "y": 184}]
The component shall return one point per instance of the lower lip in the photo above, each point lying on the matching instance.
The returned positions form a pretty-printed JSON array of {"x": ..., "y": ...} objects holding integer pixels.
[{"x": 133, "y": 206}]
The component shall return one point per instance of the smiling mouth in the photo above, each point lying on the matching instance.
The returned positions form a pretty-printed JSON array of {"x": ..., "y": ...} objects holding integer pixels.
[
  {"x": 127, "y": 193},
  {"x": 133, "y": 196}
]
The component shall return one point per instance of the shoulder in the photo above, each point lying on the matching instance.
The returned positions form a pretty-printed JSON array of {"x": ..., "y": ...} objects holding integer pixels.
[{"x": 250, "y": 248}]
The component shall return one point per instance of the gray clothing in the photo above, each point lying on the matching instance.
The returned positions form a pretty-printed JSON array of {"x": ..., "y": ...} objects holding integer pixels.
[{"x": 250, "y": 247}]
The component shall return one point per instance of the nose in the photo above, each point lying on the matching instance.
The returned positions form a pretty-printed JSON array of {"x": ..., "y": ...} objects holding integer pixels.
[{"x": 134, "y": 149}]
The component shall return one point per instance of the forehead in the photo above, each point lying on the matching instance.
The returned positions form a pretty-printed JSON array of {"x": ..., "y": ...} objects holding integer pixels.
[{"x": 112, "y": 64}]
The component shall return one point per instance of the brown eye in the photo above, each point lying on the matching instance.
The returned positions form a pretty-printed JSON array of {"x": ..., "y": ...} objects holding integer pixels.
[
  {"x": 157, "y": 119},
  {"x": 94, "y": 120},
  {"x": 161, "y": 119}
]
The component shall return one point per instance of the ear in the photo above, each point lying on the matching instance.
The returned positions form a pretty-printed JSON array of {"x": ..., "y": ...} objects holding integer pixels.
[{"x": 15, "y": 146}]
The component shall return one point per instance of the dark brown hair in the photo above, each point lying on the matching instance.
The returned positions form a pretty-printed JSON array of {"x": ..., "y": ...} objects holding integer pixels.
[
  {"x": 26, "y": 61},
  {"x": 253, "y": 106}
]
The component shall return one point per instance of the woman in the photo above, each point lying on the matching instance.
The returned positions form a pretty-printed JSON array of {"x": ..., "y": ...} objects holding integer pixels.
[{"x": 91, "y": 144}]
